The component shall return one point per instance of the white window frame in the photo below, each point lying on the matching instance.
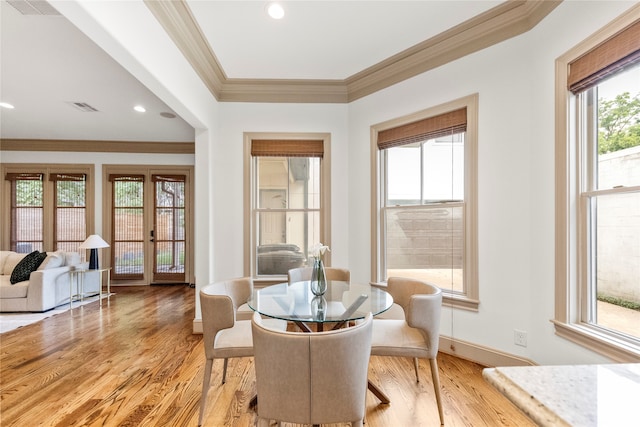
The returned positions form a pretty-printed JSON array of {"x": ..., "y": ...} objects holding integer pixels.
[
  {"x": 571, "y": 247},
  {"x": 250, "y": 198},
  {"x": 469, "y": 299}
]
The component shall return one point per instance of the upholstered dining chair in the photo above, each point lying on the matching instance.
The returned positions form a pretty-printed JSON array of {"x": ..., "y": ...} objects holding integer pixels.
[
  {"x": 332, "y": 273},
  {"x": 311, "y": 378},
  {"x": 224, "y": 335},
  {"x": 418, "y": 334}
]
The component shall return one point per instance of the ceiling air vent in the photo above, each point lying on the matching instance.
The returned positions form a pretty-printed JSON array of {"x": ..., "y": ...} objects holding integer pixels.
[
  {"x": 83, "y": 106},
  {"x": 33, "y": 7}
]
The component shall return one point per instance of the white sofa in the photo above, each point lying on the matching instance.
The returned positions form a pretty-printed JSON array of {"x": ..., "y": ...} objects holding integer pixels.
[{"x": 47, "y": 287}]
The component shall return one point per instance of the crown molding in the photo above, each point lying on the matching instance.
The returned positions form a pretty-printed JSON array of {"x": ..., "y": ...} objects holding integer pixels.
[
  {"x": 181, "y": 26},
  {"x": 509, "y": 19},
  {"x": 97, "y": 146}
]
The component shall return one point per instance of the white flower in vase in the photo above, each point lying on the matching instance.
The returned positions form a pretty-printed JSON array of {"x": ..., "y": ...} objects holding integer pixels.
[{"x": 318, "y": 250}]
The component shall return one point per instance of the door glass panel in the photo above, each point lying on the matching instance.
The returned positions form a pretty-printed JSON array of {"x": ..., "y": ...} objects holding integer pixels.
[
  {"x": 169, "y": 228},
  {"x": 128, "y": 226}
]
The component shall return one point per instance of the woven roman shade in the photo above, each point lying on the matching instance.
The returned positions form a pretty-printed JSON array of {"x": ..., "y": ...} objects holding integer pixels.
[
  {"x": 287, "y": 147},
  {"x": 130, "y": 178},
  {"x": 67, "y": 177},
  {"x": 613, "y": 55},
  {"x": 168, "y": 178},
  {"x": 422, "y": 130},
  {"x": 24, "y": 176}
]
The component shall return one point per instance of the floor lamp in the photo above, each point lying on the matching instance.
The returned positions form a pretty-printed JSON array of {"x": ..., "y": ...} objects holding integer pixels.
[{"x": 94, "y": 242}]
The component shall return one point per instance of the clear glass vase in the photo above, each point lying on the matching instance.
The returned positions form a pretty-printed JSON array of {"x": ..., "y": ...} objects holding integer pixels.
[
  {"x": 318, "y": 278},
  {"x": 319, "y": 308}
]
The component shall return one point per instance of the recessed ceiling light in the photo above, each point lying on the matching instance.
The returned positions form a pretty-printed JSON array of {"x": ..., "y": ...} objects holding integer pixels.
[
  {"x": 139, "y": 108},
  {"x": 6, "y": 105},
  {"x": 275, "y": 10}
]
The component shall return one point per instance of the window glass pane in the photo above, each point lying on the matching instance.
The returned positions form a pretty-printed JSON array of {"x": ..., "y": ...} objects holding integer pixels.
[
  {"x": 403, "y": 175},
  {"x": 426, "y": 243},
  {"x": 619, "y": 130},
  {"x": 273, "y": 182},
  {"x": 26, "y": 228},
  {"x": 287, "y": 217},
  {"x": 612, "y": 220},
  {"x": 444, "y": 168},
  {"x": 288, "y": 183},
  {"x": 304, "y": 183},
  {"x": 284, "y": 240},
  {"x": 617, "y": 262},
  {"x": 70, "y": 219}
]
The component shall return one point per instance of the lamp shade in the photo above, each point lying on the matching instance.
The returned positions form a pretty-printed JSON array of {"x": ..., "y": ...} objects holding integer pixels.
[{"x": 93, "y": 242}]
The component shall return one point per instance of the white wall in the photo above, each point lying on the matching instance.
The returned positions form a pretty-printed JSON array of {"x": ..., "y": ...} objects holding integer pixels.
[
  {"x": 128, "y": 31},
  {"x": 515, "y": 82}
]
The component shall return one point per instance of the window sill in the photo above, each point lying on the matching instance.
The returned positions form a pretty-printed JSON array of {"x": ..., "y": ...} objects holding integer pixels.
[
  {"x": 617, "y": 349},
  {"x": 449, "y": 299}
]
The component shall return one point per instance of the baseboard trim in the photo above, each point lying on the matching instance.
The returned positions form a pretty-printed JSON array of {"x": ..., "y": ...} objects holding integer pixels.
[
  {"x": 485, "y": 356},
  {"x": 197, "y": 326}
]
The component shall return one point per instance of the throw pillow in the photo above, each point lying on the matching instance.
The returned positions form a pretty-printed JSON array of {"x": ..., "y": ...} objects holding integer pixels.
[
  {"x": 29, "y": 263},
  {"x": 53, "y": 260},
  {"x": 71, "y": 258}
]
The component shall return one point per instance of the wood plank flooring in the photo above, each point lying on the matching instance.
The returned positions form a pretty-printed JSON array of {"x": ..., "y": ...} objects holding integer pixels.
[{"x": 135, "y": 362}]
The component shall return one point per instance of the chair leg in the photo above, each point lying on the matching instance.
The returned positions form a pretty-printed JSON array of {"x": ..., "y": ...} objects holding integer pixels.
[
  {"x": 224, "y": 371},
  {"x": 435, "y": 375},
  {"x": 205, "y": 388},
  {"x": 415, "y": 366}
]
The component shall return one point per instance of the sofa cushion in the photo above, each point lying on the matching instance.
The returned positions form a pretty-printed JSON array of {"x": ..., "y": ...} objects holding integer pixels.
[
  {"x": 12, "y": 260},
  {"x": 7, "y": 290},
  {"x": 53, "y": 260},
  {"x": 3, "y": 258},
  {"x": 26, "y": 266}
]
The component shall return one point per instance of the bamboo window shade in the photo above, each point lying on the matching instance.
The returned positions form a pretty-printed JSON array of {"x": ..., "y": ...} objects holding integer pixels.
[
  {"x": 27, "y": 176},
  {"x": 287, "y": 148},
  {"x": 613, "y": 55},
  {"x": 168, "y": 178},
  {"x": 67, "y": 177},
  {"x": 422, "y": 130},
  {"x": 130, "y": 178}
]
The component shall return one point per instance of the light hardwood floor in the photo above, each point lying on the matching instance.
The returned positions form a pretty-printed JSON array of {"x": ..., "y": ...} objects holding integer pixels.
[{"x": 135, "y": 362}]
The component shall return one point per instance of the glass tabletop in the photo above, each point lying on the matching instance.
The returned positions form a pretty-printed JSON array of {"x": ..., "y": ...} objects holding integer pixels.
[{"x": 342, "y": 302}]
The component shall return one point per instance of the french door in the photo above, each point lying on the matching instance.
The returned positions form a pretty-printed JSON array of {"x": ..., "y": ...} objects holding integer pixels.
[{"x": 150, "y": 224}]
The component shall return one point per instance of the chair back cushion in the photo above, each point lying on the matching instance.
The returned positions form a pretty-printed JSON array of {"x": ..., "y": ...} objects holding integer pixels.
[
  {"x": 312, "y": 378},
  {"x": 332, "y": 273},
  {"x": 219, "y": 302}
]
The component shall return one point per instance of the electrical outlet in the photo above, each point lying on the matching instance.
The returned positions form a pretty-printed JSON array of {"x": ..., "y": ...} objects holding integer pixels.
[{"x": 520, "y": 338}]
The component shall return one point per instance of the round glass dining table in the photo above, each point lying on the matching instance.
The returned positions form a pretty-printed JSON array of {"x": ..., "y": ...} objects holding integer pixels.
[{"x": 343, "y": 302}]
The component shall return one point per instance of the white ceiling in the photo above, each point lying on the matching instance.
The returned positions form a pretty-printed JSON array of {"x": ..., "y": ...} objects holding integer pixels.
[{"x": 46, "y": 62}]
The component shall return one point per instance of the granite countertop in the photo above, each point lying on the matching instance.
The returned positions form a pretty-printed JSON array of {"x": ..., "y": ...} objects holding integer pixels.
[{"x": 572, "y": 395}]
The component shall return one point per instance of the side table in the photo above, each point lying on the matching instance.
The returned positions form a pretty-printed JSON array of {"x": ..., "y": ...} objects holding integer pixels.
[{"x": 77, "y": 275}]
